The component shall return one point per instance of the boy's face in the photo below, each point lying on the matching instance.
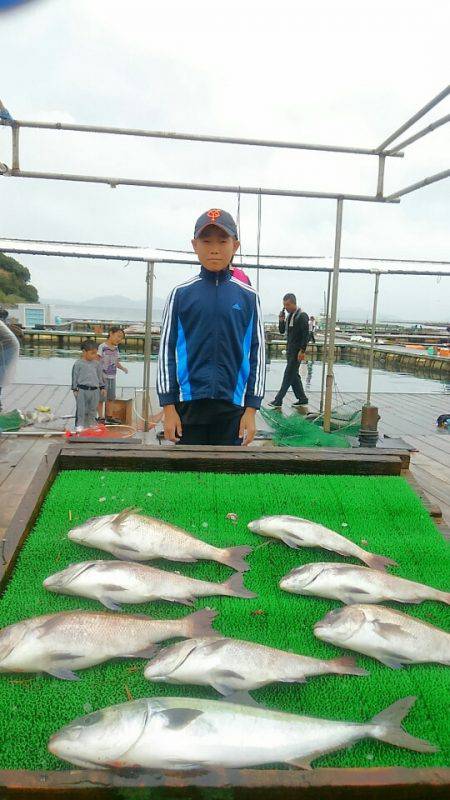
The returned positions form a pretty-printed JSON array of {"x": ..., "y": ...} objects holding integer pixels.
[
  {"x": 116, "y": 337},
  {"x": 90, "y": 355},
  {"x": 215, "y": 248}
]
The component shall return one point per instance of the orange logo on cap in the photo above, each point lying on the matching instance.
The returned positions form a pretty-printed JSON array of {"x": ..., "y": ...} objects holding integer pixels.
[{"x": 214, "y": 214}]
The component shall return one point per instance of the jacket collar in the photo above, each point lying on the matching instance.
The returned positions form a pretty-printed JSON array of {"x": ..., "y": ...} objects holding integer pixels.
[{"x": 223, "y": 276}]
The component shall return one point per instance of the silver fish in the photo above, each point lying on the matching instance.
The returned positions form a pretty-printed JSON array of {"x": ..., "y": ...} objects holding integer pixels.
[
  {"x": 297, "y": 532},
  {"x": 353, "y": 584},
  {"x": 115, "y": 582},
  {"x": 389, "y": 636},
  {"x": 182, "y": 733},
  {"x": 133, "y": 537},
  {"x": 231, "y": 665},
  {"x": 60, "y": 643}
]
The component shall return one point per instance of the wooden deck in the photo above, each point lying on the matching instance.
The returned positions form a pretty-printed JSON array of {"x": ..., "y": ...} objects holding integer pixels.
[{"x": 412, "y": 417}]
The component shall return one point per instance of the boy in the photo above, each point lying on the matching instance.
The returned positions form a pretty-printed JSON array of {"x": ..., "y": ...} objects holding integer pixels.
[
  {"x": 109, "y": 357},
  {"x": 211, "y": 366},
  {"x": 87, "y": 385}
]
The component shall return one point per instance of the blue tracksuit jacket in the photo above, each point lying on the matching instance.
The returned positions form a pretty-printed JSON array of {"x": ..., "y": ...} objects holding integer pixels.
[{"x": 212, "y": 342}]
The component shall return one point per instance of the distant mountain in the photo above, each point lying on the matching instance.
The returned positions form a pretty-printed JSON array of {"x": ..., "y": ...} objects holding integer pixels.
[{"x": 106, "y": 301}]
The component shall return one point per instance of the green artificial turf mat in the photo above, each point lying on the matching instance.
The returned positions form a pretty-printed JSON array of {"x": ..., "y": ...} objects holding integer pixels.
[{"x": 381, "y": 513}]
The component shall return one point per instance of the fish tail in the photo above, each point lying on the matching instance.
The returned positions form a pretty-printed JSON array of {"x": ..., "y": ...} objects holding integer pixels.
[
  {"x": 389, "y": 729},
  {"x": 442, "y": 597},
  {"x": 235, "y": 587},
  {"x": 346, "y": 665},
  {"x": 234, "y": 557},
  {"x": 199, "y": 623},
  {"x": 378, "y": 562}
]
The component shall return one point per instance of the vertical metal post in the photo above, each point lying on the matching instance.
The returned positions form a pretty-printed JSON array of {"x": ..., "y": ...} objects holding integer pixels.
[
  {"x": 258, "y": 241},
  {"x": 332, "y": 334},
  {"x": 380, "y": 179},
  {"x": 15, "y": 147},
  {"x": 325, "y": 342},
  {"x": 372, "y": 340},
  {"x": 148, "y": 343}
]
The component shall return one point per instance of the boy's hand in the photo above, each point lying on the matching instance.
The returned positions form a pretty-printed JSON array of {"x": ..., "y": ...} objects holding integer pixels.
[
  {"x": 301, "y": 355},
  {"x": 173, "y": 430},
  {"x": 247, "y": 428},
  {"x": 124, "y": 369},
  {"x": 75, "y": 391}
]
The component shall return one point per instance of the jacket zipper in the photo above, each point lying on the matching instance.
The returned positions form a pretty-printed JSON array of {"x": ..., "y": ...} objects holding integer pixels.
[{"x": 215, "y": 340}]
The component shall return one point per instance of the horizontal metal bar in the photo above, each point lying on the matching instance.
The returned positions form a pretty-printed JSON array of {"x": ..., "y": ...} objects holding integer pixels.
[
  {"x": 440, "y": 176},
  {"x": 414, "y": 118},
  {"x": 423, "y": 132},
  {"x": 194, "y": 137},
  {"x": 200, "y": 187},
  {"x": 295, "y": 268},
  {"x": 347, "y": 258}
]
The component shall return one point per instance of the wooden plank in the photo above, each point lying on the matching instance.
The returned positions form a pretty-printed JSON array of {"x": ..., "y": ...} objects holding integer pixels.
[
  {"x": 15, "y": 487},
  {"x": 27, "y": 512},
  {"x": 382, "y": 783},
  {"x": 228, "y": 459}
]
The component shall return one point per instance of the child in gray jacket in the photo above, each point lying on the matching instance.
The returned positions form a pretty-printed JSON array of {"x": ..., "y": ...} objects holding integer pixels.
[{"x": 87, "y": 385}]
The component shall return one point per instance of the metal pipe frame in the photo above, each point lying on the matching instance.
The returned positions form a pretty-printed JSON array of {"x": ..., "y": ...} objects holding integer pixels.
[
  {"x": 439, "y": 97},
  {"x": 325, "y": 343},
  {"x": 333, "y": 315},
  {"x": 419, "y": 134},
  {"x": 148, "y": 343},
  {"x": 200, "y": 187},
  {"x": 193, "y": 137},
  {"x": 439, "y": 176},
  {"x": 372, "y": 337}
]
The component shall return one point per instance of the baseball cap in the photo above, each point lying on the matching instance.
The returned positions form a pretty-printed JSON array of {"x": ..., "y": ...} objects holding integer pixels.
[{"x": 219, "y": 218}]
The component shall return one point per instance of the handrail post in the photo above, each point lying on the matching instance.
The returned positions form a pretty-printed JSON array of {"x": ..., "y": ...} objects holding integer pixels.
[{"x": 332, "y": 335}]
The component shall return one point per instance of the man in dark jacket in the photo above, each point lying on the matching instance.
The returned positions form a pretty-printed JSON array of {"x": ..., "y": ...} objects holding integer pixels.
[{"x": 297, "y": 326}]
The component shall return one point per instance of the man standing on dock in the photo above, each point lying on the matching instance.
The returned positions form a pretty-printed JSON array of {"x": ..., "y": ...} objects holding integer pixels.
[{"x": 297, "y": 326}]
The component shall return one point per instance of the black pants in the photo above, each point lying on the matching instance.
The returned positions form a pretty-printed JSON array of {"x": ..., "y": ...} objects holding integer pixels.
[
  {"x": 311, "y": 337},
  {"x": 291, "y": 378},
  {"x": 212, "y": 422}
]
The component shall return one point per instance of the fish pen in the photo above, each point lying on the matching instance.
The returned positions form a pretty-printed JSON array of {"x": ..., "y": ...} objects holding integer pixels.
[{"x": 213, "y": 494}]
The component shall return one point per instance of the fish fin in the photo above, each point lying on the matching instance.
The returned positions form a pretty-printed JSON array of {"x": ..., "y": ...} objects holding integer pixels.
[
  {"x": 63, "y": 674},
  {"x": 390, "y": 720},
  {"x": 117, "y": 522},
  {"x": 441, "y": 597},
  {"x": 146, "y": 652},
  {"x": 234, "y": 557},
  {"x": 178, "y": 718},
  {"x": 108, "y": 602},
  {"x": 377, "y": 562},
  {"x": 234, "y": 587},
  {"x": 387, "y": 629},
  {"x": 199, "y": 624},
  {"x": 126, "y": 548},
  {"x": 291, "y": 540},
  {"x": 353, "y": 595},
  {"x": 242, "y": 698},
  {"x": 65, "y": 656},
  {"x": 213, "y": 646},
  {"x": 186, "y": 559},
  {"x": 301, "y": 763},
  {"x": 390, "y": 660},
  {"x": 184, "y": 601},
  {"x": 346, "y": 665}
]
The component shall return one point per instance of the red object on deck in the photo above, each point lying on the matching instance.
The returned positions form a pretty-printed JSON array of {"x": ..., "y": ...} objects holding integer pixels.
[{"x": 98, "y": 431}]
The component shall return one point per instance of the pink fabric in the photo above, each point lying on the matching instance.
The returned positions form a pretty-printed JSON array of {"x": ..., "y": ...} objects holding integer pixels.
[{"x": 240, "y": 275}]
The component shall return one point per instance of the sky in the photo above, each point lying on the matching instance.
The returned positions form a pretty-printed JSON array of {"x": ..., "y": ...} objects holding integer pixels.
[{"x": 346, "y": 73}]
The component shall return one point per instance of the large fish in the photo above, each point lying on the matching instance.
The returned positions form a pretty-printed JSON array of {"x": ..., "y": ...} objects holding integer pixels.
[
  {"x": 133, "y": 537},
  {"x": 297, "y": 532},
  {"x": 182, "y": 733},
  {"x": 354, "y": 584},
  {"x": 390, "y": 636},
  {"x": 60, "y": 643},
  {"x": 115, "y": 582},
  {"x": 231, "y": 665}
]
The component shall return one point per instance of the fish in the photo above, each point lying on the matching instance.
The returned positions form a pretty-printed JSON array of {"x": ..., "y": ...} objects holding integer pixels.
[
  {"x": 352, "y": 584},
  {"x": 234, "y": 665},
  {"x": 133, "y": 537},
  {"x": 297, "y": 532},
  {"x": 184, "y": 733},
  {"x": 389, "y": 636},
  {"x": 115, "y": 582},
  {"x": 66, "y": 641}
]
